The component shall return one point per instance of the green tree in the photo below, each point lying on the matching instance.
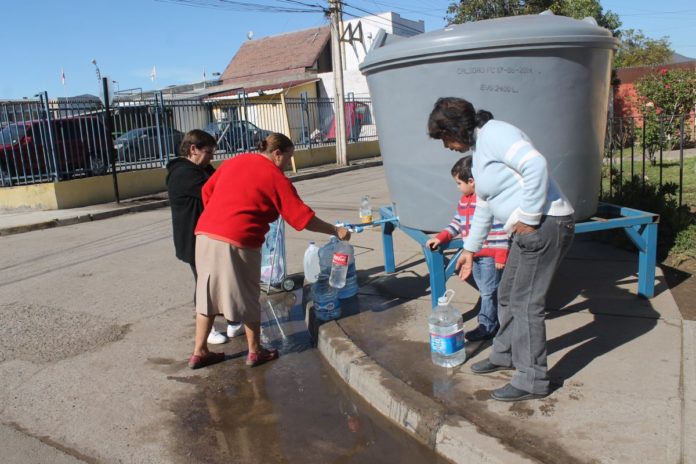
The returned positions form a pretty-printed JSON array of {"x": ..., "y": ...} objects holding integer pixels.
[
  {"x": 638, "y": 50},
  {"x": 476, "y": 10},
  {"x": 579, "y": 9},
  {"x": 663, "y": 97}
]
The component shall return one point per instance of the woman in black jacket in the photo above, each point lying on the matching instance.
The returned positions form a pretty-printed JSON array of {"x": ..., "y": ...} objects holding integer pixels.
[{"x": 185, "y": 178}]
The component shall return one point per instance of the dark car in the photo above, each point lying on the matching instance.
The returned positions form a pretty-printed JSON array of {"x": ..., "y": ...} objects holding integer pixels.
[
  {"x": 28, "y": 149},
  {"x": 234, "y": 136},
  {"x": 144, "y": 144}
]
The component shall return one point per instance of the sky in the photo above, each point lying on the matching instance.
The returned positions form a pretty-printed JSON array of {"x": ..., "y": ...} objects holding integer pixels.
[{"x": 127, "y": 38}]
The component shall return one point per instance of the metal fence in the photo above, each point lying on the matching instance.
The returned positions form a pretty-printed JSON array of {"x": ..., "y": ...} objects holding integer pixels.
[
  {"x": 652, "y": 147},
  {"x": 44, "y": 140}
]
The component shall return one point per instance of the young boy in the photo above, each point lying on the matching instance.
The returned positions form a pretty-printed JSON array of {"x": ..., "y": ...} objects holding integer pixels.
[{"x": 488, "y": 263}]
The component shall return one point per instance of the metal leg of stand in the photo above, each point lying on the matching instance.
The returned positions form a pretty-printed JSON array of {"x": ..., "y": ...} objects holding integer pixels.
[
  {"x": 388, "y": 243},
  {"x": 647, "y": 261},
  {"x": 436, "y": 268}
]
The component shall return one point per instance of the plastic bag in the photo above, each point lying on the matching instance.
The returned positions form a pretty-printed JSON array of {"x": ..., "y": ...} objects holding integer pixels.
[{"x": 273, "y": 254}]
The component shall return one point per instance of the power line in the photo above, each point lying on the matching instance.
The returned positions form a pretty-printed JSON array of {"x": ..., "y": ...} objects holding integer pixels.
[
  {"x": 247, "y": 6},
  {"x": 311, "y": 5},
  {"x": 280, "y": 6},
  {"x": 402, "y": 8}
]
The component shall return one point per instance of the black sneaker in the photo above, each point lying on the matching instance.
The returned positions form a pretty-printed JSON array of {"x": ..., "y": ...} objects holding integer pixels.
[
  {"x": 486, "y": 367},
  {"x": 510, "y": 393},
  {"x": 478, "y": 334}
]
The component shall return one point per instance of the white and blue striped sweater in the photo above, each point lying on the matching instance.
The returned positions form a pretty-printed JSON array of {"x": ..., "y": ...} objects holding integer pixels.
[{"x": 512, "y": 183}]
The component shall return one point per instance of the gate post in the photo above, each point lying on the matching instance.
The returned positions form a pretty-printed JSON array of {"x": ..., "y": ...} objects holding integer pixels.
[
  {"x": 109, "y": 137},
  {"x": 159, "y": 120},
  {"x": 56, "y": 169}
]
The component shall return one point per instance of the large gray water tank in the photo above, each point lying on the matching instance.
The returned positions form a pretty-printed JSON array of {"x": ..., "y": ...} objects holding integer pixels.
[{"x": 548, "y": 75}]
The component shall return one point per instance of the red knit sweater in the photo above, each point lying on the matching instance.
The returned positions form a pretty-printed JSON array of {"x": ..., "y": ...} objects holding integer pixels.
[{"x": 245, "y": 194}]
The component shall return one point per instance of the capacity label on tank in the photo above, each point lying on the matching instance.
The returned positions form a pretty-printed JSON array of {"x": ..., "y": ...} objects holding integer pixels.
[
  {"x": 448, "y": 344},
  {"x": 340, "y": 259},
  {"x": 498, "y": 88}
]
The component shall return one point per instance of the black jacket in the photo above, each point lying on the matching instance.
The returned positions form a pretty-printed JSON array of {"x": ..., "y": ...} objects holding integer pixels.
[{"x": 185, "y": 180}]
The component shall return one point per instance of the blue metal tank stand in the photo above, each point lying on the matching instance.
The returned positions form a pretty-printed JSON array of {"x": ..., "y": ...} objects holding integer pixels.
[{"x": 640, "y": 226}]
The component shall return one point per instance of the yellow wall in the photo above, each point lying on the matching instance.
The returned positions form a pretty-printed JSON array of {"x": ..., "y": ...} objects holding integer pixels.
[
  {"x": 82, "y": 192},
  {"x": 296, "y": 92},
  {"x": 327, "y": 154},
  {"x": 38, "y": 196},
  {"x": 95, "y": 190}
]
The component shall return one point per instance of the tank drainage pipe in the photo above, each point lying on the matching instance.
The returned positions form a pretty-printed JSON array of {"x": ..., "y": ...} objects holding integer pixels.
[{"x": 357, "y": 228}]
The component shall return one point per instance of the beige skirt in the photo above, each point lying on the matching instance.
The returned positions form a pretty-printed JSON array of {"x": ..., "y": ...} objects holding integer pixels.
[{"x": 228, "y": 280}]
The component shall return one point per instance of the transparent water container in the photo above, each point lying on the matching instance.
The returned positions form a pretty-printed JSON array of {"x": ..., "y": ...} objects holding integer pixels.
[{"x": 446, "y": 333}]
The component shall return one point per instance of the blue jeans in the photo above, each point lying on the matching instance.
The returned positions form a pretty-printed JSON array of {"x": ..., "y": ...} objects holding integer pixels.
[{"x": 487, "y": 278}]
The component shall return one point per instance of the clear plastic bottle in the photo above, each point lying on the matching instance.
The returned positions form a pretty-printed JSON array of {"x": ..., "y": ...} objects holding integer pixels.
[
  {"x": 311, "y": 263},
  {"x": 350, "y": 289},
  {"x": 446, "y": 333},
  {"x": 326, "y": 303},
  {"x": 339, "y": 264},
  {"x": 365, "y": 210}
]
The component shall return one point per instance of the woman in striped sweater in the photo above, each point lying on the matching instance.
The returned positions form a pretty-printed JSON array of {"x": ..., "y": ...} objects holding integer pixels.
[{"x": 488, "y": 262}]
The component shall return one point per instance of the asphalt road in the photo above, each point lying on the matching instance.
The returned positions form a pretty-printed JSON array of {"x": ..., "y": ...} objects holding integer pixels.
[{"x": 96, "y": 324}]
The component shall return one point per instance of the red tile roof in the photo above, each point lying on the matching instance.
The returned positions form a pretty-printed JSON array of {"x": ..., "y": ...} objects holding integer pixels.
[{"x": 274, "y": 57}]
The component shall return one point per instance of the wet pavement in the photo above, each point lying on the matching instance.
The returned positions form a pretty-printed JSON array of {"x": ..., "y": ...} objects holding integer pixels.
[
  {"x": 97, "y": 325},
  {"x": 295, "y": 409},
  {"x": 620, "y": 389}
]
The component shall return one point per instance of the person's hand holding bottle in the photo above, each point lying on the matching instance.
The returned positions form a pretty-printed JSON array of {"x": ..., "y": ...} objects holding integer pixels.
[{"x": 342, "y": 233}]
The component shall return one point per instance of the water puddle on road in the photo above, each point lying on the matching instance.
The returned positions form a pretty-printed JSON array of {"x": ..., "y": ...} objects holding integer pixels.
[{"x": 295, "y": 409}]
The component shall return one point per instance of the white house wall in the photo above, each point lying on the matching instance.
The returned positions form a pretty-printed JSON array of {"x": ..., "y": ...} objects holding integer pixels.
[{"x": 354, "y": 53}]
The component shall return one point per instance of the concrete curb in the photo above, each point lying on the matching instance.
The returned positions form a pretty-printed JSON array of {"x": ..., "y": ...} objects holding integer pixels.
[
  {"x": 162, "y": 203},
  {"x": 334, "y": 170},
  {"x": 450, "y": 435}
]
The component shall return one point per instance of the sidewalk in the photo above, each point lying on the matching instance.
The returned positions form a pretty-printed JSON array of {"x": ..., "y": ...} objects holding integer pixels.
[
  {"x": 625, "y": 383},
  {"x": 624, "y": 367},
  {"x": 19, "y": 221}
]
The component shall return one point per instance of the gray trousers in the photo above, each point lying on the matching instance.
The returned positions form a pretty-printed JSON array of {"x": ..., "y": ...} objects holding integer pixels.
[{"x": 531, "y": 265}]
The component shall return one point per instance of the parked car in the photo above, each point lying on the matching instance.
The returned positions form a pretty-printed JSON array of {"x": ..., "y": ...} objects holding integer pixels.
[
  {"x": 79, "y": 145},
  {"x": 233, "y": 136},
  {"x": 143, "y": 144}
]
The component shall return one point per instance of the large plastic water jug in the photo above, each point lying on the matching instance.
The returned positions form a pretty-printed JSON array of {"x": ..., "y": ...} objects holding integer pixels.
[
  {"x": 326, "y": 303},
  {"x": 446, "y": 333},
  {"x": 311, "y": 263}
]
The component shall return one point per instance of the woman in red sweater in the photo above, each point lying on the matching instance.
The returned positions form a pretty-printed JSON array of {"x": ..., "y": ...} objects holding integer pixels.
[{"x": 240, "y": 200}]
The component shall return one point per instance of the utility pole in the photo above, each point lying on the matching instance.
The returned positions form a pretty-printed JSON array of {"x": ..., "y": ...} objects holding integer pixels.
[{"x": 337, "y": 63}]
